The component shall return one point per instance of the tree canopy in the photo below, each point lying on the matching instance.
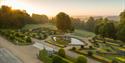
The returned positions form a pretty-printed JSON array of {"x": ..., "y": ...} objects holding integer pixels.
[
  {"x": 63, "y": 22},
  {"x": 121, "y": 30},
  {"x": 106, "y": 28},
  {"x": 12, "y": 18},
  {"x": 90, "y": 24},
  {"x": 40, "y": 19}
]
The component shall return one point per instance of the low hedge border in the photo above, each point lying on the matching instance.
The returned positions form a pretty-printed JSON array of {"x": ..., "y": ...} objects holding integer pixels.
[
  {"x": 96, "y": 57},
  {"x": 15, "y": 43},
  {"x": 61, "y": 46}
]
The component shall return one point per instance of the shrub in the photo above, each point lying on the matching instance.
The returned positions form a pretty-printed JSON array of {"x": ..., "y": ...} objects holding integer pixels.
[
  {"x": 44, "y": 56},
  {"x": 28, "y": 40},
  {"x": 90, "y": 53},
  {"x": 73, "y": 48},
  {"x": 61, "y": 52},
  {"x": 56, "y": 59},
  {"x": 82, "y": 46},
  {"x": 114, "y": 61},
  {"x": 90, "y": 47},
  {"x": 81, "y": 59},
  {"x": 59, "y": 59}
]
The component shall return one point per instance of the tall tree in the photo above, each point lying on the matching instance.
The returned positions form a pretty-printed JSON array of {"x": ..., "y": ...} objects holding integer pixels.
[
  {"x": 90, "y": 24},
  {"x": 122, "y": 20},
  {"x": 109, "y": 30},
  {"x": 106, "y": 29},
  {"x": 63, "y": 22},
  {"x": 121, "y": 34},
  {"x": 121, "y": 31},
  {"x": 10, "y": 18},
  {"x": 40, "y": 18}
]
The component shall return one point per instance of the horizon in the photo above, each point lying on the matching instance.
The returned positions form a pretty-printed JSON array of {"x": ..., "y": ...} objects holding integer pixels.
[{"x": 74, "y": 8}]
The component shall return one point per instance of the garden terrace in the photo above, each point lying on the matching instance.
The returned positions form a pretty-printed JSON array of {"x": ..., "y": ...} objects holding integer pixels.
[
  {"x": 65, "y": 41},
  {"x": 103, "y": 51},
  {"x": 16, "y": 37}
]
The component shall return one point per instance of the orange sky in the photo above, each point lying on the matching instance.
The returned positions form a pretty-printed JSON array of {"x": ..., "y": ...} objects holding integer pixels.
[{"x": 71, "y": 7}]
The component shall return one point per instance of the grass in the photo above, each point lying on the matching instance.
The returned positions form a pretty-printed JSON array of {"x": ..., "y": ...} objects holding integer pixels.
[
  {"x": 83, "y": 33},
  {"x": 78, "y": 32}
]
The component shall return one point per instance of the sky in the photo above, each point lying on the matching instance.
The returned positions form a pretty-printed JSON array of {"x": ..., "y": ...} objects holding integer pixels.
[{"x": 71, "y": 7}]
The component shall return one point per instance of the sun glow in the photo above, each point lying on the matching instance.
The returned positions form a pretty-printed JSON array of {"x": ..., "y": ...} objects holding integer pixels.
[
  {"x": 22, "y": 6},
  {"x": 72, "y": 8}
]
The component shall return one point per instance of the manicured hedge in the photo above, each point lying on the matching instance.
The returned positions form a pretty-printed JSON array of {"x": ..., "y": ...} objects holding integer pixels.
[
  {"x": 43, "y": 56},
  {"x": 16, "y": 37},
  {"x": 59, "y": 59}
]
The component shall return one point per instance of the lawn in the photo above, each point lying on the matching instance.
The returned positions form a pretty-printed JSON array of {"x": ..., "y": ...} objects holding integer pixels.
[
  {"x": 83, "y": 33},
  {"x": 78, "y": 32}
]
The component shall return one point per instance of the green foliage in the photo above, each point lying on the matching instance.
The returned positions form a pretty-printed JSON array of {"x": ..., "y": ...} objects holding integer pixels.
[
  {"x": 121, "y": 34},
  {"x": 58, "y": 59},
  {"x": 122, "y": 17},
  {"x": 10, "y": 18},
  {"x": 77, "y": 23},
  {"x": 43, "y": 56},
  {"x": 63, "y": 22},
  {"x": 81, "y": 59},
  {"x": 40, "y": 18},
  {"x": 73, "y": 48},
  {"x": 16, "y": 37},
  {"x": 90, "y": 24},
  {"x": 106, "y": 29},
  {"x": 121, "y": 30},
  {"x": 96, "y": 29},
  {"x": 61, "y": 52},
  {"x": 90, "y": 53},
  {"x": 114, "y": 61},
  {"x": 83, "y": 33}
]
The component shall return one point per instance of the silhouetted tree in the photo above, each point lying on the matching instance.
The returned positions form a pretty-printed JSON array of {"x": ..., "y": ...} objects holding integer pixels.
[{"x": 63, "y": 22}]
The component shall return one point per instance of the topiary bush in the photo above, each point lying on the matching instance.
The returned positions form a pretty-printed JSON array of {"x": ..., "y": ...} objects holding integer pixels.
[
  {"x": 81, "y": 59},
  {"x": 59, "y": 59},
  {"x": 61, "y": 52},
  {"x": 43, "y": 56},
  {"x": 82, "y": 47},
  {"x": 90, "y": 53},
  {"x": 73, "y": 48}
]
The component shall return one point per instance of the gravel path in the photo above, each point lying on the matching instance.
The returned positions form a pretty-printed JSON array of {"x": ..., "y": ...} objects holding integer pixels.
[
  {"x": 26, "y": 53},
  {"x": 69, "y": 53}
]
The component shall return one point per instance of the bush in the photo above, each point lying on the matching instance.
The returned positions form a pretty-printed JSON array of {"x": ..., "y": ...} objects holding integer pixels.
[
  {"x": 59, "y": 59},
  {"x": 61, "y": 52},
  {"x": 90, "y": 47},
  {"x": 90, "y": 53},
  {"x": 81, "y": 59},
  {"x": 82, "y": 46},
  {"x": 56, "y": 59},
  {"x": 28, "y": 40},
  {"x": 114, "y": 61},
  {"x": 43, "y": 56},
  {"x": 73, "y": 48}
]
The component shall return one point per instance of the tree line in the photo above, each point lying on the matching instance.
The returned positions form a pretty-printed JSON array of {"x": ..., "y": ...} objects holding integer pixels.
[
  {"x": 102, "y": 26},
  {"x": 15, "y": 18}
]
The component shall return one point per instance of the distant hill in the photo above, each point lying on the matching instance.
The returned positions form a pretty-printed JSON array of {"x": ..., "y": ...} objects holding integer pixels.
[{"x": 115, "y": 18}]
